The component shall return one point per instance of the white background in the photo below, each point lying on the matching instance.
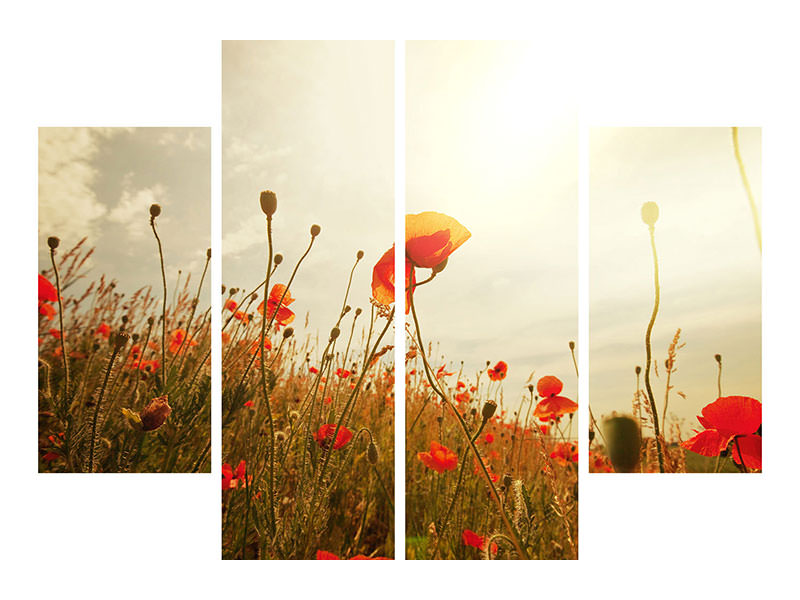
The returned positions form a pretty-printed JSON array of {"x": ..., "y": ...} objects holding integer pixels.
[{"x": 147, "y": 63}]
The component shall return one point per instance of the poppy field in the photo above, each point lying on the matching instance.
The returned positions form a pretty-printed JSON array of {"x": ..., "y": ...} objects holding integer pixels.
[
  {"x": 482, "y": 481},
  {"x": 307, "y": 417},
  {"x": 124, "y": 379}
]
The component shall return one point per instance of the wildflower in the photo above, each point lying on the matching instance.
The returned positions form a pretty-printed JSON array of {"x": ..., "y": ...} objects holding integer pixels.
[
  {"x": 383, "y": 279},
  {"x": 254, "y": 346},
  {"x": 442, "y": 373},
  {"x": 177, "y": 338},
  {"x": 229, "y": 482},
  {"x": 47, "y": 291},
  {"x": 103, "y": 330},
  {"x": 240, "y": 316},
  {"x": 440, "y": 458},
  {"x": 488, "y": 438},
  {"x": 155, "y": 414},
  {"x": 565, "y": 453},
  {"x": 599, "y": 463},
  {"x": 343, "y": 373},
  {"x": 432, "y": 237},
  {"x": 325, "y": 434},
  {"x": 231, "y": 305},
  {"x": 729, "y": 419},
  {"x": 498, "y": 372},
  {"x": 470, "y": 538},
  {"x": 248, "y": 404},
  {"x": 277, "y": 303},
  {"x": 313, "y": 370},
  {"x": 55, "y": 333},
  {"x": 552, "y": 405},
  {"x": 47, "y": 310}
]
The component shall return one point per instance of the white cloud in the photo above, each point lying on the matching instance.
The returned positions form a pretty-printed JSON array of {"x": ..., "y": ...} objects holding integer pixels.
[
  {"x": 133, "y": 207},
  {"x": 187, "y": 138},
  {"x": 68, "y": 205},
  {"x": 243, "y": 157}
]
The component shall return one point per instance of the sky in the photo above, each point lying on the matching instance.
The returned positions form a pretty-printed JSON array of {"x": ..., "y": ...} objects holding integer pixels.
[
  {"x": 709, "y": 261},
  {"x": 313, "y": 122},
  {"x": 491, "y": 140},
  {"x": 100, "y": 183}
]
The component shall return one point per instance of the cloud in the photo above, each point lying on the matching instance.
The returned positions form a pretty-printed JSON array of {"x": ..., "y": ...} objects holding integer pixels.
[
  {"x": 243, "y": 157},
  {"x": 249, "y": 233},
  {"x": 68, "y": 205},
  {"x": 186, "y": 138},
  {"x": 134, "y": 205}
]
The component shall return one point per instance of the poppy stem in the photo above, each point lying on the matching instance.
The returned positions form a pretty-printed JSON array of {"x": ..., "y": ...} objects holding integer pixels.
[
  {"x": 264, "y": 390},
  {"x": 739, "y": 450},
  {"x": 746, "y": 183},
  {"x": 163, "y": 304},
  {"x": 522, "y": 552},
  {"x": 65, "y": 406},
  {"x": 648, "y": 349}
]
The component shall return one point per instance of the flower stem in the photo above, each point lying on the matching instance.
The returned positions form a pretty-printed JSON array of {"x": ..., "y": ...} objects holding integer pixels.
[
  {"x": 746, "y": 183},
  {"x": 648, "y": 350}
]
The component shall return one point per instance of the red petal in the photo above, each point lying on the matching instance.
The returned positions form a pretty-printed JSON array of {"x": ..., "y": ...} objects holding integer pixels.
[
  {"x": 708, "y": 443},
  {"x": 750, "y": 447},
  {"x": 734, "y": 415}
]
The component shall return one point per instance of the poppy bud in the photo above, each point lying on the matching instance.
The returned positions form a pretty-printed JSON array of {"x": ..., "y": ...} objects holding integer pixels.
[
  {"x": 155, "y": 210},
  {"x": 315, "y": 229},
  {"x": 121, "y": 339},
  {"x": 269, "y": 202},
  {"x": 359, "y": 254},
  {"x": 135, "y": 337},
  {"x": 278, "y": 259},
  {"x": 624, "y": 442},
  {"x": 124, "y": 319},
  {"x": 208, "y": 253},
  {"x": 591, "y": 435},
  {"x": 530, "y": 388},
  {"x": 358, "y": 311},
  {"x": 223, "y": 289},
  {"x": 53, "y": 242},
  {"x": 335, "y": 333},
  {"x": 287, "y": 333},
  {"x": 439, "y": 419},
  {"x": 507, "y": 480},
  {"x": 372, "y": 453},
  {"x": 572, "y": 345},
  {"x": 150, "y": 321},
  {"x": 718, "y": 358},
  {"x": 155, "y": 414},
  {"x": 638, "y": 370},
  {"x": 440, "y": 267},
  {"x": 488, "y": 410},
  {"x": 650, "y": 213}
]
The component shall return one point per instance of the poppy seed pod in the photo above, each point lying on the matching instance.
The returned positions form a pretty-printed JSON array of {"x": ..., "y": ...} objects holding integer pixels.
[
  {"x": 372, "y": 453},
  {"x": 624, "y": 442},
  {"x": 638, "y": 370},
  {"x": 208, "y": 253},
  {"x": 315, "y": 230},
  {"x": 488, "y": 410},
  {"x": 530, "y": 388},
  {"x": 223, "y": 289},
  {"x": 359, "y": 255},
  {"x": 335, "y": 333},
  {"x": 507, "y": 481},
  {"x": 718, "y": 358},
  {"x": 650, "y": 213},
  {"x": 155, "y": 414},
  {"x": 287, "y": 333},
  {"x": 269, "y": 202},
  {"x": 53, "y": 242},
  {"x": 572, "y": 345},
  {"x": 121, "y": 339},
  {"x": 150, "y": 321},
  {"x": 278, "y": 259},
  {"x": 358, "y": 311},
  {"x": 440, "y": 267},
  {"x": 155, "y": 210}
]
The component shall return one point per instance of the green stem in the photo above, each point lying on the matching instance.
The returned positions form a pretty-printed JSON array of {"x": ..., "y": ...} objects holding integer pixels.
[
  {"x": 746, "y": 183},
  {"x": 648, "y": 350}
]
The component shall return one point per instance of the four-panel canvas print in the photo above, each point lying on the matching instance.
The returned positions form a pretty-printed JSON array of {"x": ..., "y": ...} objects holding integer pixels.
[{"x": 309, "y": 326}]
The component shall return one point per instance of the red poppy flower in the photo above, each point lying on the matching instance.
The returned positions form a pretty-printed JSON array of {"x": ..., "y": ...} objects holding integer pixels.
[
  {"x": 470, "y": 538},
  {"x": 230, "y": 305},
  {"x": 440, "y": 458},
  {"x": 599, "y": 463},
  {"x": 498, "y": 372},
  {"x": 278, "y": 307},
  {"x": 254, "y": 345},
  {"x": 477, "y": 468},
  {"x": 383, "y": 279},
  {"x": 243, "y": 317},
  {"x": 231, "y": 480},
  {"x": 55, "y": 333},
  {"x": 727, "y": 419},
  {"x": 489, "y": 438},
  {"x": 47, "y": 310},
  {"x": 565, "y": 453},
  {"x": 549, "y": 386},
  {"x": 431, "y": 237},
  {"x": 442, "y": 373},
  {"x": 313, "y": 370},
  {"x": 325, "y": 435},
  {"x": 103, "y": 330},
  {"x": 343, "y": 373},
  {"x": 325, "y": 555},
  {"x": 47, "y": 291},
  {"x": 554, "y": 407},
  {"x": 177, "y": 338}
]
